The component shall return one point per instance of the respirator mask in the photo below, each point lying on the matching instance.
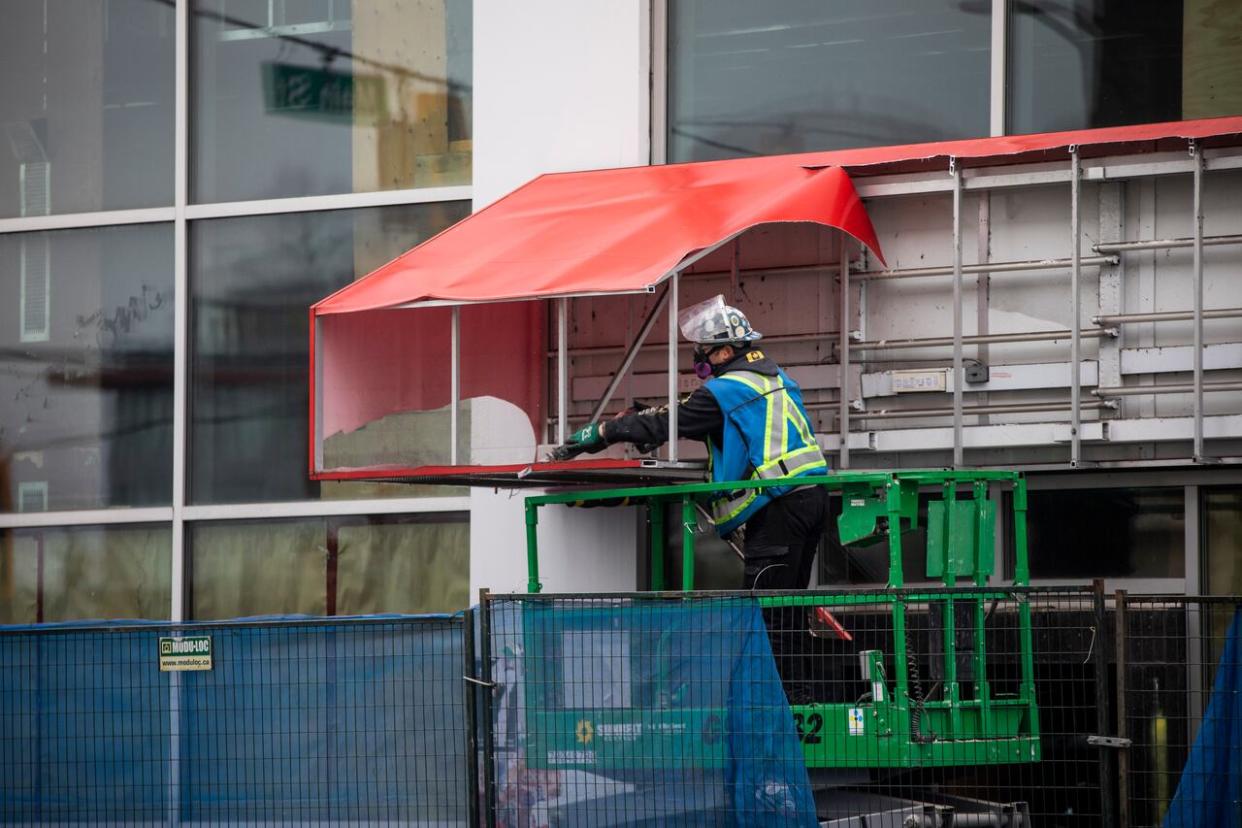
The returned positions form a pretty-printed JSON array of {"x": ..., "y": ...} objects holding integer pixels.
[{"x": 702, "y": 364}]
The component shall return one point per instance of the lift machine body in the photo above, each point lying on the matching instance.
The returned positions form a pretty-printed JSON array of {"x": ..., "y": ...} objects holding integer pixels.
[{"x": 960, "y": 720}]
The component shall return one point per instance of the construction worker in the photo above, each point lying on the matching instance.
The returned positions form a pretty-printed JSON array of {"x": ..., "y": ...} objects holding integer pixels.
[{"x": 750, "y": 414}]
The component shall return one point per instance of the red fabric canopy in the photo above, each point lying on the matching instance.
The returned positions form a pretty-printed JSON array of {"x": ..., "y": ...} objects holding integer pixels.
[
  {"x": 601, "y": 232},
  {"x": 609, "y": 231},
  {"x": 616, "y": 231}
]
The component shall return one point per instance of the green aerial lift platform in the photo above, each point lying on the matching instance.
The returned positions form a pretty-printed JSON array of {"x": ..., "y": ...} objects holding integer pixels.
[{"x": 962, "y": 721}]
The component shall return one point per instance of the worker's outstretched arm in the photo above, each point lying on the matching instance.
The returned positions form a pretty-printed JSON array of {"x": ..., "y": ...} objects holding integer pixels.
[{"x": 697, "y": 417}]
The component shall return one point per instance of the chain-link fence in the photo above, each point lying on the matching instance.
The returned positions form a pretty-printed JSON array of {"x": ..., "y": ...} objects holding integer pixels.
[
  {"x": 1177, "y": 703},
  {"x": 273, "y": 721},
  {"x": 907, "y": 707},
  {"x": 928, "y": 707}
]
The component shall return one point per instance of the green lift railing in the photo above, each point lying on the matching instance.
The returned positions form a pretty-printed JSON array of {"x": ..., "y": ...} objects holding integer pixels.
[{"x": 896, "y": 725}]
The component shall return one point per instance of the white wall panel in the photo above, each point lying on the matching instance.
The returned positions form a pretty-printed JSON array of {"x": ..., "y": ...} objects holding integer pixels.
[
  {"x": 558, "y": 85},
  {"x": 581, "y": 550}
]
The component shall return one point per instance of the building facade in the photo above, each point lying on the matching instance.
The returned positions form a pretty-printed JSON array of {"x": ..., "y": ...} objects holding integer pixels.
[{"x": 181, "y": 179}]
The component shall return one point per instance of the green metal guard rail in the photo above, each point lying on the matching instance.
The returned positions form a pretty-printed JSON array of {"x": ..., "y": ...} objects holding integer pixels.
[
  {"x": 867, "y": 497},
  {"x": 979, "y": 729}
]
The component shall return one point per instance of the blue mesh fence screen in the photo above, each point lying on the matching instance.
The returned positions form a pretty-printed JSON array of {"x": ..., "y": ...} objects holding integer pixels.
[
  {"x": 84, "y": 727},
  {"x": 640, "y": 711},
  {"x": 626, "y": 709},
  {"x": 342, "y": 720}
]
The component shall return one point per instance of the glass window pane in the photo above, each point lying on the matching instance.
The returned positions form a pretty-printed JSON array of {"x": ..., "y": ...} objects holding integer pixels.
[
  {"x": 1222, "y": 540},
  {"x": 252, "y": 281},
  {"x": 244, "y": 568},
  {"x": 1076, "y": 64},
  {"x": 86, "y": 106},
  {"x": 295, "y": 99},
  {"x": 407, "y": 566},
  {"x": 1106, "y": 533},
  {"x": 86, "y": 364},
  {"x": 329, "y": 566},
  {"x": 751, "y": 78},
  {"x": 85, "y": 572}
]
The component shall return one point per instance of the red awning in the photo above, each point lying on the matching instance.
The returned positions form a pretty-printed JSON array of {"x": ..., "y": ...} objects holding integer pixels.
[
  {"x": 605, "y": 232},
  {"x": 377, "y": 368},
  {"x": 624, "y": 230}
]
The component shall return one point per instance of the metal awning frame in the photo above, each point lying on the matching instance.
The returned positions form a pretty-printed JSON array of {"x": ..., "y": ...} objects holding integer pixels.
[{"x": 1194, "y": 160}]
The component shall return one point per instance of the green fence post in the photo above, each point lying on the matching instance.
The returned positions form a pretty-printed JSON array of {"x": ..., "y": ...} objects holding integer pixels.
[
  {"x": 532, "y": 548},
  {"x": 1022, "y": 566},
  {"x": 655, "y": 518},
  {"x": 953, "y": 691},
  {"x": 688, "y": 522},
  {"x": 892, "y": 492},
  {"x": 896, "y": 581},
  {"x": 983, "y": 689},
  {"x": 1022, "y": 577}
]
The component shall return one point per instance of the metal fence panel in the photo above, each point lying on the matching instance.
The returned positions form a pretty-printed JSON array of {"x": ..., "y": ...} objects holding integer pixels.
[
  {"x": 905, "y": 705},
  {"x": 671, "y": 708},
  {"x": 335, "y": 720},
  {"x": 1179, "y": 692}
]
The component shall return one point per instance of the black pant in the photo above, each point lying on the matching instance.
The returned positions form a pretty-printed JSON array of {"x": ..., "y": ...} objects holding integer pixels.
[{"x": 781, "y": 541}]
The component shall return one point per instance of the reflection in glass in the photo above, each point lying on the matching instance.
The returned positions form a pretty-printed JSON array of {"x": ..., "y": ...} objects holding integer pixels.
[
  {"x": 762, "y": 79},
  {"x": 252, "y": 282},
  {"x": 309, "y": 98},
  {"x": 85, "y": 572},
  {"x": 330, "y": 566},
  {"x": 1106, "y": 533},
  {"x": 86, "y": 362},
  {"x": 1077, "y": 64},
  {"x": 86, "y": 105},
  {"x": 1222, "y": 540}
]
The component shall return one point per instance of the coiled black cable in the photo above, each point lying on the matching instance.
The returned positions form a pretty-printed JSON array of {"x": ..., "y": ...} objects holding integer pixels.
[{"x": 916, "y": 695}]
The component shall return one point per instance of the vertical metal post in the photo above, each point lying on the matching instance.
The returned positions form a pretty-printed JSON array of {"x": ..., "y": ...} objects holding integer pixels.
[
  {"x": 562, "y": 370},
  {"x": 532, "y": 548},
  {"x": 843, "y": 355},
  {"x": 1000, "y": 46},
  {"x": 181, "y": 350},
  {"x": 673, "y": 434},
  {"x": 896, "y": 580},
  {"x": 1123, "y": 753},
  {"x": 1022, "y": 564},
  {"x": 958, "y": 373},
  {"x": 1104, "y": 724},
  {"x": 1022, "y": 577},
  {"x": 1075, "y": 378},
  {"x": 688, "y": 521},
  {"x": 489, "y": 742},
  {"x": 953, "y": 691},
  {"x": 983, "y": 688},
  {"x": 655, "y": 514},
  {"x": 1197, "y": 655},
  {"x": 454, "y": 382},
  {"x": 471, "y": 713},
  {"x": 983, "y": 289},
  {"x": 1197, "y": 158},
  {"x": 892, "y": 494},
  {"x": 1111, "y": 283}
]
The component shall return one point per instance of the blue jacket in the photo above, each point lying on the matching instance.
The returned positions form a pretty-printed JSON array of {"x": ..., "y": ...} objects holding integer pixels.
[{"x": 767, "y": 434}]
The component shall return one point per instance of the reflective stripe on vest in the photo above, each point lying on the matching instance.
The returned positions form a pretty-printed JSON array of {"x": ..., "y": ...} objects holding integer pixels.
[{"x": 780, "y": 412}]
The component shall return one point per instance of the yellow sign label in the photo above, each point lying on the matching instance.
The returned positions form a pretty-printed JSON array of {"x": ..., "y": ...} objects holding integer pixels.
[
  {"x": 754, "y": 356},
  {"x": 585, "y": 731}
]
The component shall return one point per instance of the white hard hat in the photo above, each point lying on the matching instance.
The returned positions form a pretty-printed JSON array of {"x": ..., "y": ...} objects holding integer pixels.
[{"x": 712, "y": 321}]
